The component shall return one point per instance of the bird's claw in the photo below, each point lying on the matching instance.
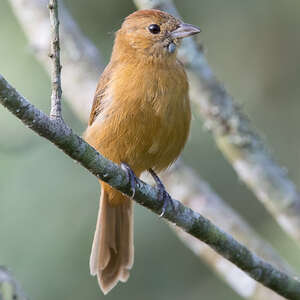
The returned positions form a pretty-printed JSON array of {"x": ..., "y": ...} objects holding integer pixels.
[
  {"x": 167, "y": 200},
  {"x": 131, "y": 178},
  {"x": 163, "y": 195}
]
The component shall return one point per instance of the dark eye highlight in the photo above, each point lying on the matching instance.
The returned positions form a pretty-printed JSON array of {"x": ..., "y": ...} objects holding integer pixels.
[{"x": 154, "y": 28}]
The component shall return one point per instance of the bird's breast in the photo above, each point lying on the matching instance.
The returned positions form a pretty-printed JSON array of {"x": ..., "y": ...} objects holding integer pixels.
[{"x": 147, "y": 120}]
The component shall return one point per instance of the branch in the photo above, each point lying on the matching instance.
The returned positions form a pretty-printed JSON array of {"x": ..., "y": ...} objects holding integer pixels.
[
  {"x": 10, "y": 289},
  {"x": 198, "y": 195},
  {"x": 180, "y": 181},
  {"x": 55, "y": 58},
  {"x": 236, "y": 139},
  {"x": 190, "y": 221}
]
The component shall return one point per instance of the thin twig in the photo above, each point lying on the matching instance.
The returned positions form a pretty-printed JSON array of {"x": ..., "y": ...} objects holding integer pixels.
[
  {"x": 234, "y": 136},
  {"x": 56, "y": 66},
  {"x": 81, "y": 59},
  {"x": 190, "y": 221}
]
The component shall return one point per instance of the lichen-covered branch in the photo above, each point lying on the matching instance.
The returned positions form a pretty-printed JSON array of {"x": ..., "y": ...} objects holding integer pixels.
[
  {"x": 237, "y": 140},
  {"x": 193, "y": 192},
  {"x": 10, "y": 289},
  {"x": 184, "y": 217},
  {"x": 82, "y": 62}
]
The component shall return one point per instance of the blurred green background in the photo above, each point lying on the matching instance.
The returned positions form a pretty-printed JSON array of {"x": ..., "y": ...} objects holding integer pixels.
[{"x": 48, "y": 204}]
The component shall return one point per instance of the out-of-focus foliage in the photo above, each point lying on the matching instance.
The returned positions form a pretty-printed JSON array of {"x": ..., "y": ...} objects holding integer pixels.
[{"x": 48, "y": 204}]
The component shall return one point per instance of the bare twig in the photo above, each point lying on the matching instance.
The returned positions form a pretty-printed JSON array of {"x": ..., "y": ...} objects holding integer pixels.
[
  {"x": 193, "y": 190},
  {"x": 56, "y": 66},
  {"x": 190, "y": 221},
  {"x": 235, "y": 137},
  {"x": 10, "y": 289},
  {"x": 82, "y": 63}
]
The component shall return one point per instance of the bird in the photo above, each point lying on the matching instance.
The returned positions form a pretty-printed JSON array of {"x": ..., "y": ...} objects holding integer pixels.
[{"x": 140, "y": 119}]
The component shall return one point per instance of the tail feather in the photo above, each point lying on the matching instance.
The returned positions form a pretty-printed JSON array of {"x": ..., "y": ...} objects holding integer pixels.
[{"x": 112, "y": 250}]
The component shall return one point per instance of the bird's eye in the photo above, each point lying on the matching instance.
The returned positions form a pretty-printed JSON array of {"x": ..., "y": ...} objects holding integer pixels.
[{"x": 154, "y": 28}]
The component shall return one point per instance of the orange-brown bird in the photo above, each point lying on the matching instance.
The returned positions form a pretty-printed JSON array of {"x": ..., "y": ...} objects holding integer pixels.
[{"x": 140, "y": 119}]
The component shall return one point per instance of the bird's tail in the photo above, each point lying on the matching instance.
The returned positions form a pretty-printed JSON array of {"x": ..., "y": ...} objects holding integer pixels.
[{"x": 112, "y": 250}]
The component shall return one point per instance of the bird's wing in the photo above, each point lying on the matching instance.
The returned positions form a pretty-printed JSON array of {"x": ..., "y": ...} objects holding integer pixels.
[{"x": 100, "y": 92}]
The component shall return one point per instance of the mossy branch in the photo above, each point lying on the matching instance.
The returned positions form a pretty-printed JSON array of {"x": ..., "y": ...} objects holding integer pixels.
[{"x": 193, "y": 223}]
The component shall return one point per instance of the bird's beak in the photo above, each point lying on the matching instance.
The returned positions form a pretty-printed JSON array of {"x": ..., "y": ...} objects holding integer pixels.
[{"x": 185, "y": 30}]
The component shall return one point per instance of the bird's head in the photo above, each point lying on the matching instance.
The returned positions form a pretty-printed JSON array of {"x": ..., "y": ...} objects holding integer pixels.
[{"x": 153, "y": 33}]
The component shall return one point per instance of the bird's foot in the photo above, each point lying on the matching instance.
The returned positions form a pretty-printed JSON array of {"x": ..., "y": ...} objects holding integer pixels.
[
  {"x": 163, "y": 195},
  {"x": 131, "y": 178}
]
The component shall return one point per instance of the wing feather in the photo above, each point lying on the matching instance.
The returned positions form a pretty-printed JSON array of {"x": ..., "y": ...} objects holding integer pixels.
[{"x": 100, "y": 92}]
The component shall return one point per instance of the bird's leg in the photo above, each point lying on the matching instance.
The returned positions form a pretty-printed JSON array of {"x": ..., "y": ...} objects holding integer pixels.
[
  {"x": 131, "y": 178},
  {"x": 163, "y": 195}
]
